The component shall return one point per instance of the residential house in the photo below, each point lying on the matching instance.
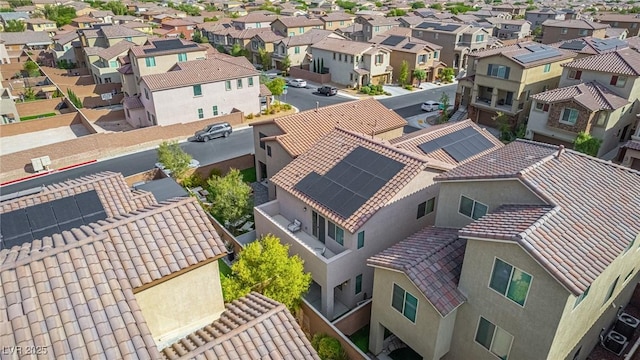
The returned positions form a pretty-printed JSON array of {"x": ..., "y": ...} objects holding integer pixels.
[
  {"x": 297, "y": 47},
  {"x": 105, "y": 16},
  {"x": 145, "y": 27},
  {"x": 104, "y": 36},
  {"x": 409, "y": 21},
  {"x": 418, "y": 54},
  {"x": 558, "y": 30},
  {"x": 123, "y": 19},
  {"x": 618, "y": 33},
  {"x": 292, "y": 26},
  {"x": 289, "y": 9},
  {"x": 374, "y": 25},
  {"x": 597, "y": 94},
  {"x": 352, "y": 63},
  {"x": 21, "y": 16},
  {"x": 456, "y": 294},
  {"x": 104, "y": 68},
  {"x": 630, "y": 152},
  {"x": 504, "y": 79},
  {"x": 631, "y": 22},
  {"x": 254, "y": 20},
  {"x": 337, "y": 20},
  {"x": 588, "y": 46},
  {"x": 353, "y": 32},
  {"x": 510, "y": 29},
  {"x": 457, "y": 40},
  {"x": 227, "y": 36},
  {"x": 430, "y": 14},
  {"x": 8, "y": 111},
  {"x": 16, "y": 42},
  {"x": 83, "y": 296},
  {"x": 84, "y": 22},
  {"x": 279, "y": 141},
  {"x": 537, "y": 16},
  {"x": 486, "y": 13},
  {"x": 263, "y": 42},
  {"x": 195, "y": 90},
  {"x": 38, "y": 24},
  {"x": 174, "y": 28},
  {"x": 514, "y": 10}
]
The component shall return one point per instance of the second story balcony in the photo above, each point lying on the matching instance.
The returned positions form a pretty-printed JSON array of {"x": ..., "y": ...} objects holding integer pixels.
[{"x": 496, "y": 99}]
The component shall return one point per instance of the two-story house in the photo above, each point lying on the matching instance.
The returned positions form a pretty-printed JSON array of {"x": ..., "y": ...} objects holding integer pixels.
[
  {"x": 84, "y": 22},
  {"x": 105, "y": 16},
  {"x": 510, "y": 29},
  {"x": 513, "y": 282},
  {"x": 16, "y": 42},
  {"x": 537, "y": 16},
  {"x": 37, "y": 24},
  {"x": 254, "y": 20},
  {"x": 503, "y": 80},
  {"x": 457, "y": 40},
  {"x": 352, "y": 63},
  {"x": 63, "y": 46},
  {"x": 557, "y": 30},
  {"x": 336, "y": 20},
  {"x": 174, "y": 28},
  {"x": 418, "y": 54},
  {"x": 630, "y": 152},
  {"x": 375, "y": 25},
  {"x": 297, "y": 47},
  {"x": 104, "y": 68},
  {"x": 514, "y": 10},
  {"x": 292, "y": 26},
  {"x": 263, "y": 41},
  {"x": 279, "y": 141},
  {"x": 198, "y": 89},
  {"x": 631, "y": 22},
  {"x": 598, "y": 95},
  {"x": 588, "y": 46},
  {"x": 103, "y": 36},
  {"x": 487, "y": 13}
]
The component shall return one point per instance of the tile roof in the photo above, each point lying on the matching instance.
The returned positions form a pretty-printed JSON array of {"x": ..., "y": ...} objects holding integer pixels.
[
  {"x": 413, "y": 140},
  {"x": 112, "y": 189},
  {"x": 592, "y": 45},
  {"x": 39, "y": 21},
  {"x": 299, "y": 21},
  {"x": 73, "y": 292},
  {"x": 623, "y": 62},
  {"x": 309, "y": 37},
  {"x": 132, "y": 102},
  {"x": 632, "y": 18},
  {"x": 252, "y": 327},
  {"x": 269, "y": 36},
  {"x": 85, "y": 19},
  {"x": 575, "y": 24},
  {"x": 331, "y": 149},
  {"x": 214, "y": 69},
  {"x": 255, "y": 18},
  {"x": 508, "y": 222},
  {"x": 302, "y": 130},
  {"x": 115, "y": 50},
  {"x": 432, "y": 259},
  {"x": 336, "y": 16},
  {"x": 419, "y": 45},
  {"x": 592, "y": 95},
  {"x": 65, "y": 37},
  {"x": 512, "y": 51},
  {"x": 632, "y": 144},
  {"x": 345, "y": 46},
  {"x": 585, "y": 231},
  {"x": 25, "y": 37},
  {"x": 118, "y": 31}
]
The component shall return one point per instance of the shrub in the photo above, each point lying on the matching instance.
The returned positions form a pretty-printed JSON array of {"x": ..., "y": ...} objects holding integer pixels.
[
  {"x": 587, "y": 144},
  {"x": 215, "y": 172},
  {"x": 287, "y": 106},
  {"x": 387, "y": 93},
  {"x": 193, "y": 180},
  {"x": 258, "y": 115},
  {"x": 250, "y": 116},
  {"x": 408, "y": 87},
  {"x": 365, "y": 90},
  {"x": 328, "y": 348}
]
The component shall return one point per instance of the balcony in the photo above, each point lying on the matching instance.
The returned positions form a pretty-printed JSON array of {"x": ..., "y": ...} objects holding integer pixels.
[
  {"x": 98, "y": 69},
  {"x": 496, "y": 100}
]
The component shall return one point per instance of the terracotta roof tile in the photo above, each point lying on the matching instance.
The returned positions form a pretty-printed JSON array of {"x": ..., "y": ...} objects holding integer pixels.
[
  {"x": 623, "y": 62},
  {"x": 575, "y": 24},
  {"x": 117, "y": 49},
  {"x": 632, "y": 144},
  {"x": 508, "y": 222},
  {"x": 299, "y": 21},
  {"x": 432, "y": 259},
  {"x": 253, "y": 326},
  {"x": 310, "y": 37},
  {"x": 592, "y": 95},
  {"x": 413, "y": 140},
  {"x": 345, "y": 46},
  {"x": 331, "y": 149},
  {"x": 302, "y": 130},
  {"x": 119, "y": 31},
  {"x": 607, "y": 224}
]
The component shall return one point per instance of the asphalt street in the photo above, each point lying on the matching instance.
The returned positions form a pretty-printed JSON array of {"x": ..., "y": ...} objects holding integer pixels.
[
  {"x": 306, "y": 99},
  {"x": 237, "y": 144}
]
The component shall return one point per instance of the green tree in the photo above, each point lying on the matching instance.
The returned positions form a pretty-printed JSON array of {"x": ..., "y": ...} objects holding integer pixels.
[
  {"x": 403, "y": 77},
  {"x": 420, "y": 74},
  {"x": 587, "y": 144},
  {"x": 116, "y": 7},
  {"x": 346, "y": 5},
  {"x": 197, "y": 37},
  {"x": 444, "y": 114},
  {"x": 62, "y": 15},
  {"x": 537, "y": 32},
  {"x": 418, "y": 5},
  {"x": 174, "y": 158},
  {"x": 286, "y": 64},
  {"x": 265, "y": 266},
  {"x": 276, "y": 86},
  {"x": 447, "y": 75},
  {"x": 15, "y": 26},
  {"x": 75, "y": 100},
  {"x": 32, "y": 69},
  {"x": 265, "y": 59},
  {"x": 502, "y": 121},
  {"x": 396, "y": 12},
  {"x": 230, "y": 197},
  {"x": 29, "y": 94},
  {"x": 436, "y": 6},
  {"x": 328, "y": 348},
  {"x": 237, "y": 50}
]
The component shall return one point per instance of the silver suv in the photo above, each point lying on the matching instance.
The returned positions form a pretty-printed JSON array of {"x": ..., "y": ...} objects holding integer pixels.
[{"x": 214, "y": 131}]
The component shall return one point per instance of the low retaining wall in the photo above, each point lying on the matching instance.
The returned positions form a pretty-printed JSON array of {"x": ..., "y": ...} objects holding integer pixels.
[
  {"x": 296, "y": 72},
  {"x": 37, "y": 107},
  {"x": 25, "y": 127},
  {"x": 240, "y": 163},
  {"x": 355, "y": 320}
]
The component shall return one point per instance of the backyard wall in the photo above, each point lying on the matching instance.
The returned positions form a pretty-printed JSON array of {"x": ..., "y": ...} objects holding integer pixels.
[
  {"x": 37, "y": 107},
  {"x": 296, "y": 72},
  {"x": 240, "y": 163},
  {"x": 25, "y": 127},
  {"x": 355, "y": 320}
]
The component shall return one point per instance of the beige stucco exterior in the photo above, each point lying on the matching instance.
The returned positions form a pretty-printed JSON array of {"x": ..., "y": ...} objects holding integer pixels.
[
  {"x": 553, "y": 34},
  {"x": 162, "y": 63},
  {"x": 180, "y": 305},
  {"x": 343, "y": 71},
  {"x": 456, "y": 46}
]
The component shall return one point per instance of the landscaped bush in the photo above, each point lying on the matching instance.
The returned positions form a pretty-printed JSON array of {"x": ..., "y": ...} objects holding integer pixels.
[
  {"x": 250, "y": 116},
  {"x": 365, "y": 90},
  {"x": 408, "y": 87},
  {"x": 193, "y": 180},
  {"x": 328, "y": 348},
  {"x": 40, "y": 116}
]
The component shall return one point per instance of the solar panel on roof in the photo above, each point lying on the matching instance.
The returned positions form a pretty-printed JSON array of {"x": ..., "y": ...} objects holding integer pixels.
[
  {"x": 608, "y": 44},
  {"x": 351, "y": 182},
  {"x": 392, "y": 40},
  {"x": 41, "y": 216},
  {"x": 172, "y": 44},
  {"x": 538, "y": 55},
  {"x": 409, "y": 46},
  {"x": 460, "y": 145},
  {"x": 573, "y": 45}
]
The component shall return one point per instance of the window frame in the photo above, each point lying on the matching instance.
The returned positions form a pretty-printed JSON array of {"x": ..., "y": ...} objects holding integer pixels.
[
  {"x": 200, "y": 113},
  {"x": 404, "y": 301},
  {"x": 568, "y": 121},
  {"x": 510, "y": 281},
  {"x": 426, "y": 207},
  {"x": 197, "y": 90},
  {"x": 215, "y": 110},
  {"x": 182, "y": 57},
  {"x": 574, "y": 74},
  {"x": 227, "y": 85},
  {"x": 493, "y": 336},
  {"x": 150, "y": 61},
  {"x": 358, "y": 284},
  {"x": 239, "y": 83},
  {"x": 261, "y": 143},
  {"x": 612, "y": 289},
  {"x": 547, "y": 68},
  {"x": 250, "y": 81},
  {"x": 360, "y": 243},
  {"x": 472, "y": 207},
  {"x": 602, "y": 117},
  {"x": 580, "y": 299}
]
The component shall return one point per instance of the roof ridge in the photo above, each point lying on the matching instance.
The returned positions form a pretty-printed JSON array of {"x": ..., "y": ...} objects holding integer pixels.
[
  {"x": 619, "y": 54},
  {"x": 427, "y": 256},
  {"x": 536, "y": 224},
  {"x": 119, "y": 220},
  {"x": 602, "y": 161},
  {"x": 600, "y": 90}
]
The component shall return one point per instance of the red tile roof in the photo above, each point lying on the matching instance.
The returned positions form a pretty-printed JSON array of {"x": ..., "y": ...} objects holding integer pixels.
[
  {"x": 592, "y": 95},
  {"x": 508, "y": 222},
  {"x": 623, "y": 62},
  {"x": 252, "y": 327},
  {"x": 632, "y": 144},
  {"x": 595, "y": 215},
  {"x": 432, "y": 259}
]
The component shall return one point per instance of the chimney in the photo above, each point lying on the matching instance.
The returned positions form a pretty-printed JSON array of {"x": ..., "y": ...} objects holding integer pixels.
[{"x": 560, "y": 151}]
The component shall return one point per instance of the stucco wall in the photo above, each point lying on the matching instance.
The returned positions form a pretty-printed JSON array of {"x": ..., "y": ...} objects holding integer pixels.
[
  {"x": 631, "y": 90},
  {"x": 163, "y": 63},
  {"x": 181, "y": 305},
  {"x": 341, "y": 72}
]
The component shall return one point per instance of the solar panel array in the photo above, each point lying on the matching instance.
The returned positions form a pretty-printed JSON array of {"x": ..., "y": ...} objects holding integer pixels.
[
  {"x": 165, "y": 45},
  {"x": 460, "y": 145},
  {"x": 53, "y": 217},
  {"x": 438, "y": 26},
  {"x": 538, "y": 52},
  {"x": 393, "y": 40},
  {"x": 351, "y": 182},
  {"x": 573, "y": 45},
  {"x": 409, "y": 46},
  {"x": 608, "y": 44}
]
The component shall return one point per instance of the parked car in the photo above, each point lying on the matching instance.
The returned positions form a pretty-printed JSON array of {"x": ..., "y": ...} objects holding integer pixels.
[
  {"x": 430, "y": 105},
  {"x": 327, "y": 90},
  {"x": 213, "y": 131},
  {"x": 299, "y": 83}
]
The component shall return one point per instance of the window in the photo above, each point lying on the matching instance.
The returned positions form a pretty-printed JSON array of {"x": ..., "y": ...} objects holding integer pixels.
[
  {"x": 268, "y": 150},
  {"x": 296, "y": 50},
  {"x": 341, "y": 22},
  {"x": 422, "y": 59},
  {"x": 314, "y": 223},
  {"x": 480, "y": 38},
  {"x": 379, "y": 59},
  {"x": 239, "y": 83},
  {"x": 435, "y": 54},
  {"x": 569, "y": 116},
  {"x": 426, "y": 208},
  {"x": 542, "y": 106},
  {"x": 376, "y": 28},
  {"x": 261, "y": 135},
  {"x": 563, "y": 31},
  {"x": 358, "y": 284},
  {"x": 292, "y": 33},
  {"x": 574, "y": 74},
  {"x": 618, "y": 81},
  {"x": 113, "y": 64},
  {"x": 146, "y": 93},
  {"x": 334, "y": 56},
  {"x": 581, "y": 297},
  {"x": 611, "y": 290},
  {"x": 584, "y": 32},
  {"x": 150, "y": 61},
  {"x": 547, "y": 68},
  {"x": 329, "y": 23},
  {"x": 602, "y": 118},
  {"x": 404, "y": 302},
  {"x": 301, "y": 30},
  {"x": 182, "y": 57},
  {"x": 197, "y": 90},
  {"x": 336, "y": 233},
  {"x": 361, "y": 239},
  {"x": 227, "y": 85},
  {"x": 510, "y": 281},
  {"x": 128, "y": 38},
  {"x": 472, "y": 208},
  {"x": 215, "y": 110},
  {"x": 499, "y": 71},
  {"x": 494, "y": 338}
]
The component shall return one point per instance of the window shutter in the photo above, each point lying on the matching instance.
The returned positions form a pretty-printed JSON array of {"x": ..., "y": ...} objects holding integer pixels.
[
  {"x": 506, "y": 72},
  {"x": 578, "y": 74},
  {"x": 489, "y": 70},
  {"x": 614, "y": 80}
]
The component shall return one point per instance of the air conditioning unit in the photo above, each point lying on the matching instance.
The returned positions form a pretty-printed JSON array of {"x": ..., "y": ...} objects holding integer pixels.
[
  {"x": 626, "y": 325},
  {"x": 615, "y": 342}
]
